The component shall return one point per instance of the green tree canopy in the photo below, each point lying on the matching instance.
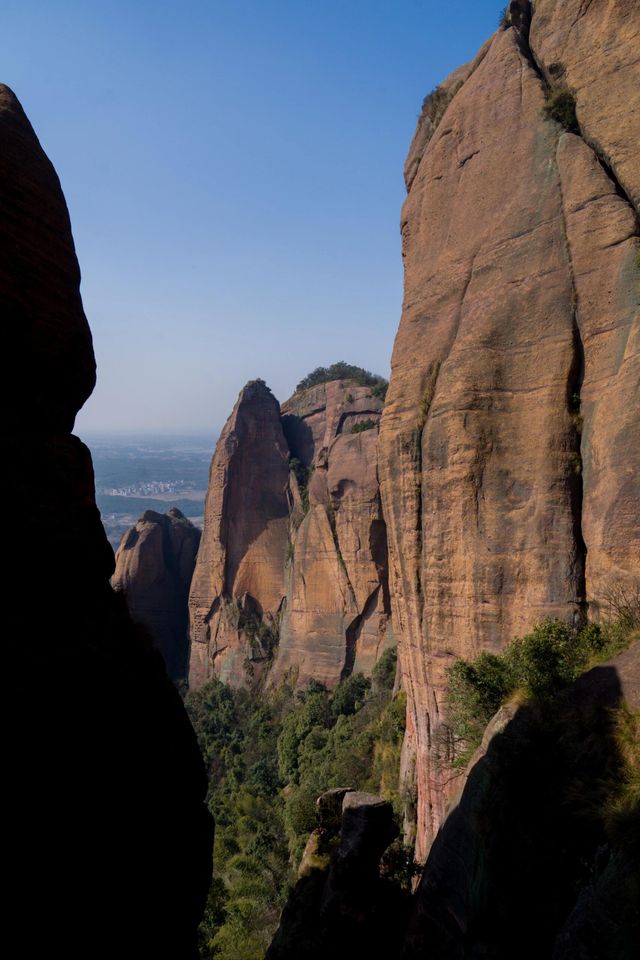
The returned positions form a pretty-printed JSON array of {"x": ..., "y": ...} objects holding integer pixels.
[{"x": 342, "y": 371}]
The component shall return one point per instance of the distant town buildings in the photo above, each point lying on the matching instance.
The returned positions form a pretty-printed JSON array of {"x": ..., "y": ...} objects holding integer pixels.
[{"x": 149, "y": 488}]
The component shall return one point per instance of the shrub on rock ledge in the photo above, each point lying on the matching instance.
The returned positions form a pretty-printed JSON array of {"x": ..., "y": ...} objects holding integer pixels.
[{"x": 560, "y": 105}]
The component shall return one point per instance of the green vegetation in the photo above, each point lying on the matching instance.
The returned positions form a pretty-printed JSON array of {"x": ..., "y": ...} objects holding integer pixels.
[
  {"x": 379, "y": 390},
  {"x": 560, "y": 105},
  {"x": 238, "y": 736},
  {"x": 263, "y": 634},
  {"x": 302, "y": 475},
  {"x": 342, "y": 371},
  {"x": 623, "y": 807},
  {"x": 505, "y": 18},
  {"x": 575, "y": 404},
  {"x": 434, "y": 106},
  {"x": 269, "y": 757},
  {"x": 536, "y": 667},
  {"x": 575, "y": 463},
  {"x": 555, "y": 800},
  {"x": 363, "y": 425},
  {"x": 352, "y": 738}
]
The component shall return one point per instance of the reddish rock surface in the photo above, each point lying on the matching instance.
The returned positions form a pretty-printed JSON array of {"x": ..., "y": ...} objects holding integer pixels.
[
  {"x": 362, "y": 541},
  {"x": 105, "y": 785},
  {"x": 591, "y": 46},
  {"x": 313, "y": 418},
  {"x": 240, "y": 569},
  {"x": 508, "y": 453},
  {"x": 320, "y": 607},
  {"x": 336, "y": 615},
  {"x": 601, "y": 231},
  {"x": 154, "y": 567},
  {"x": 295, "y": 495}
]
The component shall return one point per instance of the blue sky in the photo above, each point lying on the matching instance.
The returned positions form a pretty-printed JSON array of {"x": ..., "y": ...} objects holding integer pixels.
[{"x": 233, "y": 169}]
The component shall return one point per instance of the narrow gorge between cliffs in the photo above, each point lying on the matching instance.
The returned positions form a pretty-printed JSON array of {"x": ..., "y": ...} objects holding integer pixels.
[{"x": 364, "y": 678}]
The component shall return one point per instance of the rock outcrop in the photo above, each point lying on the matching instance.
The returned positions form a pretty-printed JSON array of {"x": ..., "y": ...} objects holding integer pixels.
[
  {"x": 154, "y": 567},
  {"x": 108, "y": 841},
  {"x": 238, "y": 584},
  {"x": 540, "y": 853},
  {"x": 341, "y": 905},
  {"x": 291, "y": 575},
  {"x": 509, "y": 452}
]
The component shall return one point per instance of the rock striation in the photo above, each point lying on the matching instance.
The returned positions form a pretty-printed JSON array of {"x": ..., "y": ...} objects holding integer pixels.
[
  {"x": 238, "y": 583},
  {"x": 509, "y": 452},
  {"x": 154, "y": 567},
  {"x": 291, "y": 575},
  {"x": 109, "y": 840}
]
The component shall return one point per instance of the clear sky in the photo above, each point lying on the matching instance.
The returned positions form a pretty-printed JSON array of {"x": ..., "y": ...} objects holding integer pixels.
[{"x": 233, "y": 169}]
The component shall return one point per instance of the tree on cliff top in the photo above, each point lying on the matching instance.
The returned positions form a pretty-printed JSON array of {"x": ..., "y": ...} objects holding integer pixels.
[{"x": 341, "y": 371}]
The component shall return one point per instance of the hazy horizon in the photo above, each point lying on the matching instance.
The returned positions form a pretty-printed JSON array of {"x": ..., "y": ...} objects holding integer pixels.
[{"x": 233, "y": 172}]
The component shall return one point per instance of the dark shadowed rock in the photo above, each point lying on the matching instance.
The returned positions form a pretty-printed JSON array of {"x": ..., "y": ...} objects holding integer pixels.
[
  {"x": 108, "y": 841},
  {"x": 341, "y": 907},
  {"x": 42, "y": 311},
  {"x": 532, "y": 861},
  {"x": 154, "y": 566}
]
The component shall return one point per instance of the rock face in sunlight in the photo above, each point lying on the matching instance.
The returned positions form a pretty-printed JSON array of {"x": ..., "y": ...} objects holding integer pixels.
[
  {"x": 105, "y": 782},
  {"x": 238, "y": 584},
  {"x": 593, "y": 49},
  {"x": 154, "y": 566},
  {"x": 509, "y": 451},
  {"x": 336, "y": 617},
  {"x": 291, "y": 574}
]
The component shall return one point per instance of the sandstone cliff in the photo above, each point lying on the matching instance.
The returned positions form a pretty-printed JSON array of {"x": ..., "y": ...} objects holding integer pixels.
[
  {"x": 291, "y": 573},
  {"x": 238, "y": 584},
  {"x": 108, "y": 840},
  {"x": 509, "y": 452},
  {"x": 154, "y": 566}
]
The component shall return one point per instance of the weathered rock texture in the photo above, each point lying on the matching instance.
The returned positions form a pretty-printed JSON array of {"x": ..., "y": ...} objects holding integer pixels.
[
  {"x": 592, "y": 46},
  {"x": 535, "y": 859},
  {"x": 336, "y": 616},
  {"x": 509, "y": 451},
  {"x": 239, "y": 578},
  {"x": 291, "y": 573},
  {"x": 154, "y": 567},
  {"x": 108, "y": 841}
]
